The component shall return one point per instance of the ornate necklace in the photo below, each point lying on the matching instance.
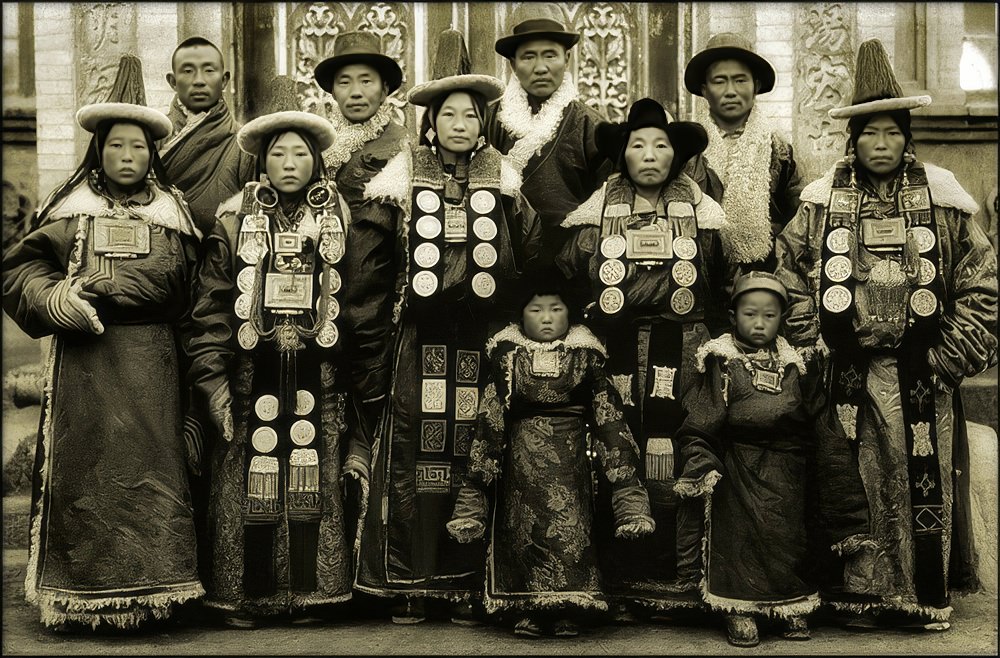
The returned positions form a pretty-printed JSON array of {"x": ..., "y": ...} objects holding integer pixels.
[{"x": 766, "y": 372}]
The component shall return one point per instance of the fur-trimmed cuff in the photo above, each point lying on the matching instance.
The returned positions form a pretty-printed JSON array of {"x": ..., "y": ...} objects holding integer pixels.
[
  {"x": 635, "y": 527},
  {"x": 466, "y": 530},
  {"x": 695, "y": 487},
  {"x": 356, "y": 467},
  {"x": 852, "y": 544}
]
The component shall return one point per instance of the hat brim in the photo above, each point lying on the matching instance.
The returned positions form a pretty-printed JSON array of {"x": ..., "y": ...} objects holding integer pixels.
[
  {"x": 687, "y": 138},
  {"x": 89, "y": 116},
  {"x": 387, "y": 67},
  {"x": 879, "y": 106},
  {"x": 507, "y": 46},
  {"x": 253, "y": 133},
  {"x": 489, "y": 87},
  {"x": 694, "y": 73}
]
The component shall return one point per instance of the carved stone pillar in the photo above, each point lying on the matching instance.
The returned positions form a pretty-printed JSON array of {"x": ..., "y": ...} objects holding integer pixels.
[{"x": 824, "y": 79}]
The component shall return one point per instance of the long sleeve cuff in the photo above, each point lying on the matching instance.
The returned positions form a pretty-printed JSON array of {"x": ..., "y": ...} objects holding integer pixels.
[{"x": 468, "y": 521}]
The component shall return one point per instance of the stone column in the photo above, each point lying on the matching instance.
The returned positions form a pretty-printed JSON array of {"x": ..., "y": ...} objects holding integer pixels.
[{"x": 824, "y": 38}]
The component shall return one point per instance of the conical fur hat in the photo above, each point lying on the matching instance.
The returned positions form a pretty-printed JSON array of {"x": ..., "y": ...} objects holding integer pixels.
[
  {"x": 875, "y": 87},
  {"x": 451, "y": 73},
  {"x": 284, "y": 114},
  {"x": 127, "y": 101}
]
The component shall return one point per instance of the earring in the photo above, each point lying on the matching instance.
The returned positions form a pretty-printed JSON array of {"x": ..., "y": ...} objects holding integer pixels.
[
  {"x": 96, "y": 177},
  {"x": 430, "y": 135}
]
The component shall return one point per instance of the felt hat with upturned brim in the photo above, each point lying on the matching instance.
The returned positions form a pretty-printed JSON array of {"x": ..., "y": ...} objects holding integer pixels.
[
  {"x": 728, "y": 45},
  {"x": 875, "y": 87},
  {"x": 534, "y": 22},
  {"x": 687, "y": 138},
  {"x": 284, "y": 115},
  {"x": 89, "y": 116},
  {"x": 451, "y": 73},
  {"x": 757, "y": 280},
  {"x": 358, "y": 48}
]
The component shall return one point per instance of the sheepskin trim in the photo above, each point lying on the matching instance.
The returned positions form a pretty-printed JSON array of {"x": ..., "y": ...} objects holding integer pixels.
[
  {"x": 465, "y": 530},
  {"x": 454, "y": 596},
  {"x": 589, "y": 212},
  {"x": 230, "y": 206},
  {"x": 362, "y": 513},
  {"x": 694, "y": 488},
  {"x": 946, "y": 191},
  {"x": 894, "y": 604},
  {"x": 786, "y": 609},
  {"x": 726, "y": 349},
  {"x": 62, "y": 607},
  {"x": 393, "y": 184},
  {"x": 544, "y": 601},
  {"x": 350, "y": 136},
  {"x": 167, "y": 208},
  {"x": 709, "y": 213},
  {"x": 510, "y": 177},
  {"x": 533, "y": 131},
  {"x": 661, "y": 605},
  {"x": 634, "y": 527},
  {"x": 578, "y": 337}
]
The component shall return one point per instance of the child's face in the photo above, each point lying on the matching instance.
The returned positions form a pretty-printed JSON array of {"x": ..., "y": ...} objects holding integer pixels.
[
  {"x": 757, "y": 317},
  {"x": 545, "y": 318}
]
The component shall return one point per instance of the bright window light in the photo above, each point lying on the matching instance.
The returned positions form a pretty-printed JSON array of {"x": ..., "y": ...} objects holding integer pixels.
[{"x": 975, "y": 72}]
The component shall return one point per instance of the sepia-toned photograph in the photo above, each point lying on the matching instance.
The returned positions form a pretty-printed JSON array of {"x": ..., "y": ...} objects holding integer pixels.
[{"x": 500, "y": 328}]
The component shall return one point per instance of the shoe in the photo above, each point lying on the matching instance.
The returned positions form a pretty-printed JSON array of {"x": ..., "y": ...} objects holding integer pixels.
[
  {"x": 863, "y": 623},
  {"x": 565, "y": 628},
  {"x": 412, "y": 612},
  {"x": 796, "y": 628},
  {"x": 464, "y": 614},
  {"x": 241, "y": 622},
  {"x": 623, "y": 616},
  {"x": 527, "y": 627},
  {"x": 306, "y": 619},
  {"x": 741, "y": 631}
]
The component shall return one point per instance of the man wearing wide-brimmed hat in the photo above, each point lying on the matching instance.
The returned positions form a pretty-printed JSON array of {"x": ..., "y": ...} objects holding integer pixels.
[
  {"x": 888, "y": 273},
  {"x": 541, "y": 124},
  {"x": 754, "y": 162},
  {"x": 200, "y": 155},
  {"x": 360, "y": 78}
]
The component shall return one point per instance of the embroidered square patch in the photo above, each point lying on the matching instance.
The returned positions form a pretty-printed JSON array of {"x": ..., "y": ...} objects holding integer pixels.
[
  {"x": 433, "y": 396},
  {"x": 844, "y": 201},
  {"x": 432, "y": 434},
  {"x": 663, "y": 382},
  {"x": 464, "y": 433},
  {"x": 466, "y": 402},
  {"x": 433, "y": 477},
  {"x": 435, "y": 360},
  {"x": 915, "y": 198},
  {"x": 467, "y": 367}
]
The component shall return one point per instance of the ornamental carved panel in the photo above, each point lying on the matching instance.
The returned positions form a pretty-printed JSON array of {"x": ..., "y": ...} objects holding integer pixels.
[
  {"x": 313, "y": 27},
  {"x": 824, "y": 78}
]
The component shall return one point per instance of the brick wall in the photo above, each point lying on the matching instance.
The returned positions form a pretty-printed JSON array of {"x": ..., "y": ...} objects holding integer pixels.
[
  {"x": 775, "y": 22},
  {"x": 54, "y": 85}
]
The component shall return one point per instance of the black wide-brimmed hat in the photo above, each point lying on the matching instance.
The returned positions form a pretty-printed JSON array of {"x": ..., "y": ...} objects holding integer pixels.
[
  {"x": 532, "y": 22},
  {"x": 875, "y": 87},
  {"x": 358, "y": 48},
  {"x": 728, "y": 45},
  {"x": 687, "y": 138}
]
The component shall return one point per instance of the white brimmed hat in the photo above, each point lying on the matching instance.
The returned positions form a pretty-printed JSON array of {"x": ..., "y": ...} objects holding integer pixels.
[
  {"x": 89, "y": 116},
  {"x": 284, "y": 115},
  {"x": 875, "y": 87},
  {"x": 453, "y": 56}
]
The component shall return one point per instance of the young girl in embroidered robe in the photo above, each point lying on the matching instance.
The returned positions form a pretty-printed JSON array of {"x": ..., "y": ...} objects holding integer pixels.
[
  {"x": 746, "y": 447},
  {"x": 547, "y": 383}
]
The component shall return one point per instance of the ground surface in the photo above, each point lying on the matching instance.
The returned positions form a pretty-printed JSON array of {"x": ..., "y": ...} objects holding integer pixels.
[{"x": 974, "y": 632}]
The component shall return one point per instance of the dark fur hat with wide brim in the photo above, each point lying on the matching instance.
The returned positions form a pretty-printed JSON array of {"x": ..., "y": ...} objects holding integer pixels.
[
  {"x": 687, "y": 138},
  {"x": 358, "y": 48},
  {"x": 533, "y": 22},
  {"x": 875, "y": 87},
  {"x": 728, "y": 45}
]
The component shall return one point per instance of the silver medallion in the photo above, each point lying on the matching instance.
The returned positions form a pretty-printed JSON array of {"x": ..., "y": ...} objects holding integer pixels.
[
  {"x": 927, "y": 272},
  {"x": 302, "y": 432},
  {"x": 837, "y": 299},
  {"x": 612, "y": 272},
  {"x": 613, "y": 246},
  {"x": 247, "y": 336},
  {"x": 328, "y": 335},
  {"x": 428, "y": 227},
  {"x": 243, "y": 306},
  {"x": 685, "y": 248},
  {"x": 837, "y": 268},
  {"x": 924, "y": 237},
  {"x": 923, "y": 302},
  {"x": 266, "y": 408},
  {"x": 428, "y": 201},
  {"x": 304, "y": 402},
  {"x": 484, "y": 228},
  {"x": 485, "y": 255},
  {"x": 839, "y": 240},
  {"x": 332, "y": 309},
  {"x": 484, "y": 285},
  {"x": 612, "y": 300},
  {"x": 425, "y": 283},
  {"x": 244, "y": 280},
  {"x": 264, "y": 439},
  {"x": 482, "y": 202},
  {"x": 335, "y": 280},
  {"x": 682, "y": 301},
  {"x": 427, "y": 254},
  {"x": 684, "y": 273}
]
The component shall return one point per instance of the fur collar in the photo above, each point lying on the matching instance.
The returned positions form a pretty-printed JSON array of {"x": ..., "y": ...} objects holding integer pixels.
[
  {"x": 709, "y": 213},
  {"x": 167, "y": 209},
  {"x": 578, "y": 337},
  {"x": 394, "y": 183},
  {"x": 230, "y": 206},
  {"x": 352, "y": 136},
  {"x": 726, "y": 349},
  {"x": 533, "y": 131},
  {"x": 946, "y": 191}
]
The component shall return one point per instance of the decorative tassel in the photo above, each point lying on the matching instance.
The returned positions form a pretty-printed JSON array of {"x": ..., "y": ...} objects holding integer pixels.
[
  {"x": 659, "y": 459},
  {"x": 303, "y": 470},
  {"x": 262, "y": 482}
]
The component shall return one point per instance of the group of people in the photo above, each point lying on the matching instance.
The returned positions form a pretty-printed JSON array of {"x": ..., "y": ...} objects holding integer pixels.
[{"x": 531, "y": 367}]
